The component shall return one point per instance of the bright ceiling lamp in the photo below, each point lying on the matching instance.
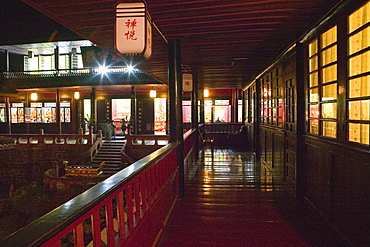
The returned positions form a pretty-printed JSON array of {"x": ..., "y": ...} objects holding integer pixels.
[
  {"x": 103, "y": 70},
  {"x": 34, "y": 96},
  {"x": 76, "y": 95},
  {"x": 153, "y": 93},
  {"x": 206, "y": 93}
]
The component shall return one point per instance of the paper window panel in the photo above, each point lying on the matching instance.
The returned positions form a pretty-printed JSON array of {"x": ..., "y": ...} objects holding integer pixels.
[
  {"x": 329, "y": 129},
  {"x": 314, "y": 79},
  {"x": 359, "y": 41},
  {"x": 329, "y": 110},
  {"x": 314, "y": 95},
  {"x": 33, "y": 63},
  {"x": 314, "y": 126},
  {"x": 63, "y": 62},
  {"x": 329, "y": 74},
  {"x": 313, "y": 64},
  {"x": 359, "y": 18},
  {"x": 312, "y": 48},
  {"x": 314, "y": 111},
  {"x": 359, "y": 64},
  {"x": 359, "y": 110},
  {"x": 329, "y": 92},
  {"x": 329, "y": 55},
  {"x": 359, "y": 87},
  {"x": 359, "y": 133},
  {"x": 329, "y": 37}
]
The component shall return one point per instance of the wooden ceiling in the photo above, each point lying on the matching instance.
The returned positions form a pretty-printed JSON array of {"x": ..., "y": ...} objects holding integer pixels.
[{"x": 225, "y": 43}]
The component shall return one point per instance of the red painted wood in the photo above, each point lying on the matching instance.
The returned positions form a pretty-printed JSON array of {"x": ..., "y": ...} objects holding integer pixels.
[
  {"x": 121, "y": 215},
  {"x": 96, "y": 230},
  {"x": 79, "y": 236},
  {"x": 130, "y": 207},
  {"x": 109, "y": 220},
  {"x": 155, "y": 190}
]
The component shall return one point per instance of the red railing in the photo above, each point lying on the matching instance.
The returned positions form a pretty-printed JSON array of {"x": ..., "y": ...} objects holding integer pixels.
[{"x": 127, "y": 209}]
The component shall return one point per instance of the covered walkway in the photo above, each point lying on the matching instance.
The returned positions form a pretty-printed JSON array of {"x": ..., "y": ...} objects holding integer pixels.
[{"x": 231, "y": 200}]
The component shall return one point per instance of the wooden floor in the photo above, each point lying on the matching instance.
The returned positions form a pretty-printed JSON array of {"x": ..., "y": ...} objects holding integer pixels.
[{"x": 231, "y": 200}]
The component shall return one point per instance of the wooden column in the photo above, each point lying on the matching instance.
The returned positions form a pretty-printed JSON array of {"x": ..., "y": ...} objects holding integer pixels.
[
  {"x": 59, "y": 123},
  {"x": 175, "y": 101},
  {"x": 8, "y": 115},
  {"x": 194, "y": 103}
]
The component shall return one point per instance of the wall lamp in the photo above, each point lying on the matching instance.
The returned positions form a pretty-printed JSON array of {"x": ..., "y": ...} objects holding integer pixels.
[
  {"x": 153, "y": 93},
  {"x": 34, "y": 96},
  {"x": 206, "y": 93},
  {"x": 76, "y": 95}
]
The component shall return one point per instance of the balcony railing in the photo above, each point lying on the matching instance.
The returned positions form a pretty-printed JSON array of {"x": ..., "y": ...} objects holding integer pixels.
[
  {"x": 68, "y": 72},
  {"x": 127, "y": 209}
]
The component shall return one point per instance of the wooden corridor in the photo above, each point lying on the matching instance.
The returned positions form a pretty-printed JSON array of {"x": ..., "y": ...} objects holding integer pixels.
[{"x": 231, "y": 200}]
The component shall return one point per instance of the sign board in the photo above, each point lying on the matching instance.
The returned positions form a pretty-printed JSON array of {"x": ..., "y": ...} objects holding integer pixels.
[
  {"x": 133, "y": 31},
  {"x": 187, "y": 82}
]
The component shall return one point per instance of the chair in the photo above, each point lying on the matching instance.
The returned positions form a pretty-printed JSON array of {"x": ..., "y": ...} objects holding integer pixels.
[{"x": 208, "y": 140}]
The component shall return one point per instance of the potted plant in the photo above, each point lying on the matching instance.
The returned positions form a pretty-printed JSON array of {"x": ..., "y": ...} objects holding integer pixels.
[{"x": 90, "y": 121}]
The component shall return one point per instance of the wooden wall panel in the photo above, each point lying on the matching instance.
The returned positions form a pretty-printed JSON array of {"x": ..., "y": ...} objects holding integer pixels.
[{"x": 337, "y": 183}]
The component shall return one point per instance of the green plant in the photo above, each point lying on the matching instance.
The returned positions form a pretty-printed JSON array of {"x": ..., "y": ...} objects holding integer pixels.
[{"x": 90, "y": 120}]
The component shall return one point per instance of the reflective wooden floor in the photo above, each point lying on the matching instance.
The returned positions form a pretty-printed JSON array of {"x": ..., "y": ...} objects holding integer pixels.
[{"x": 231, "y": 200}]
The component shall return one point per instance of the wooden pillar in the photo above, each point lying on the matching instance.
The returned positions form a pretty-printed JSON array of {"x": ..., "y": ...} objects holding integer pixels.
[
  {"x": 194, "y": 103},
  {"x": 243, "y": 105},
  {"x": 257, "y": 118},
  {"x": 59, "y": 123},
  {"x": 301, "y": 119},
  {"x": 132, "y": 120},
  {"x": 201, "y": 107},
  {"x": 175, "y": 101},
  {"x": 93, "y": 106},
  {"x": 8, "y": 115}
]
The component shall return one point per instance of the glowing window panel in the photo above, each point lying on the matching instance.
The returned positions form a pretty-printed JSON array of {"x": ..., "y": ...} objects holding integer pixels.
[
  {"x": 313, "y": 64},
  {"x": 329, "y": 92},
  {"x": 359, "y": 133},
  {"x": 359, "y": 41},
  {"x": 312, "y": 48},
  {"x": 359, "y": 87},
  {"x": 359, "y": 64},
  {"x": 359, "y": 110},
  {"x": 329, "y": 129},
  {"x": 314, "y": 111},
  {"x": 329, "y": 55},
  {"x": 314, "y": 95},
  {"x": 314, "y": 126},
  {"x": 329, "y": 37},
  {"x": 314, "y": 79},
  {"x": 329, "y": 74},
  {"x": 359, "y": 18},
  {"x": 329, "y": 110}
]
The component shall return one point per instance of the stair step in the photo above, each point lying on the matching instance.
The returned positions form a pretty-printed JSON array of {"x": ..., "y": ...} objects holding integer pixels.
[{"x": 110, "y": 153}]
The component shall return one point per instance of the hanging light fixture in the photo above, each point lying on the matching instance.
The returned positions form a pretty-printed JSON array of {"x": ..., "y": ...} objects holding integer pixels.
[
  {"x": 206, "y": 93},
  {"x": 30, "y": 54},
  {"x": 34, "y": 96},
  {"x": 76, "y": 95},
  {"x": 153, "y": 93}
]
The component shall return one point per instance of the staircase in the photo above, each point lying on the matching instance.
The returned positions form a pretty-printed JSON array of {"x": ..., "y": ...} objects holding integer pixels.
[{"x": 110, "y": 153}]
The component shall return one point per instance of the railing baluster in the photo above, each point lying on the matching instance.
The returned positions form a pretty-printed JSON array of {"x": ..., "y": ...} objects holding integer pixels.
[
  {"x": 130, "y": 207},
  {"x": 144, "y": 190},
  {"x": 121, "y": 215},
  {"x": 110, "y": 223},
  {"x": 96, "y": 230},
  {"x": 79, "y": 235},
  {"x": 137, "y": 199}
]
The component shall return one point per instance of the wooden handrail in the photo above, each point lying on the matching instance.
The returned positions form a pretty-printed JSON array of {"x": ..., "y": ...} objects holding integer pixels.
[{"x": 145, "y": 188}]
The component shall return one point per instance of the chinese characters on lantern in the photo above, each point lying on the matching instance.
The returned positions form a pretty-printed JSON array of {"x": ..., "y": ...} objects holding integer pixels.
[{"x": 131, "y": 25}]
